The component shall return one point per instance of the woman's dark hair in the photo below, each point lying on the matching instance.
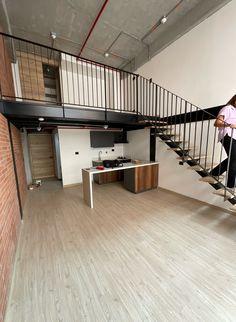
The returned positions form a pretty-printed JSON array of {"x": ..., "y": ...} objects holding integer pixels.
[{"x": 232, "y": 101}]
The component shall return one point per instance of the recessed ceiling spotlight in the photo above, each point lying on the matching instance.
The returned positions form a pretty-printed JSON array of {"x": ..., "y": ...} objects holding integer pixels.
[
  {"x": 163, "y": 20},
  {"x": 41, "y": 119},
  {"x": 53, "y": 35},
  {"x": 106, "y": 54}
]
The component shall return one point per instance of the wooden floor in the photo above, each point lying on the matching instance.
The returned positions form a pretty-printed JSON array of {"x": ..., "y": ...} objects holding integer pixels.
[{"x": 154, "y": 256}]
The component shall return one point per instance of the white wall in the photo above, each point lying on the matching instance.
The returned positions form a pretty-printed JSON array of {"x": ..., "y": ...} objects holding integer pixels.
[
  {"x": 83, "y": 83},
  {"x": 76, "y": 140},
  {"x": 16, "y": 80},
  {"x": 26, "y": 155},
  {"x": 200, "y": 68},
  {"x": 200, "y": 65},
  {"x": 139, "y": 144}
]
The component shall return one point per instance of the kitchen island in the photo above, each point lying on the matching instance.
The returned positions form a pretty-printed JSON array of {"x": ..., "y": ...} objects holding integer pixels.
[{"x": 144, "y": 177}]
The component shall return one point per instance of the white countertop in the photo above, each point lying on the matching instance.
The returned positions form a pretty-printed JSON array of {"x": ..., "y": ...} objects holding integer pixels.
[{"x": 127, "y": 165}]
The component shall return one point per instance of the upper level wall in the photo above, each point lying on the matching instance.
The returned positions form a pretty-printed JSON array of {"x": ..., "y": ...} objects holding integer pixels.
[{"x": 199, "y": 66}]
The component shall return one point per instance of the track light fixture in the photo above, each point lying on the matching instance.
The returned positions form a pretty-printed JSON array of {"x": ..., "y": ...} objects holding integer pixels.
[
  {"x": 163, "y": 20},
  {"x": 53, "y": 35}
]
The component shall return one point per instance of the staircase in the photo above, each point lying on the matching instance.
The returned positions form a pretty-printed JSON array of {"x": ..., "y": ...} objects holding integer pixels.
[{"x": 181, "y": 137}]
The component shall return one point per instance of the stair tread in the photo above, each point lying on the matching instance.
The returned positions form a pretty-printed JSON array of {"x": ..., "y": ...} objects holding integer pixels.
[
  {"x": 179, "y": 149},
  {"x": 224, "y": 193},
  {"x": 201, "y": 167},
  {"x": 233, "y": 209},
  {"x": 210, "y": 179},
  {"x": 191, "y": 157}
]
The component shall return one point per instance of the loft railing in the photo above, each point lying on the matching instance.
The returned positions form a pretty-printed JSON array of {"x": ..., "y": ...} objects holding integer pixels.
[{"x": 50, "y": 76}]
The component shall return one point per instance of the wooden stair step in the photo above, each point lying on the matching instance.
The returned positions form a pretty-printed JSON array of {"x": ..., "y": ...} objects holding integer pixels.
[
  {"x": 210, "y": 179},
  {"x": 151, "y": 121},
  {"x": 233, "y": 209},
  {"x": 202, "y": 167},
  {"x": 179, "y": 148},
  {"x": 224, "y": 193},
  {"x": 189, "y": 157}
]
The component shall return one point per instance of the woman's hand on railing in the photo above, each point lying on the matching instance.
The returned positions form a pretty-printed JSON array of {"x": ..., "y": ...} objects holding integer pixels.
[
  {"x": 219, "y": 122},
  {"x": 232, "y": 126}
]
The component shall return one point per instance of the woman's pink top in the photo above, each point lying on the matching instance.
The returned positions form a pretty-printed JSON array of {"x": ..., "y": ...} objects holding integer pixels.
[{"x": 229, "y": 113}]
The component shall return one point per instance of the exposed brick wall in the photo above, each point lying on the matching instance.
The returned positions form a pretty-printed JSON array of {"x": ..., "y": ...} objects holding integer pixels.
[
  {"x": 6, "y": 78},
  {"x": 18, "y": 153},
  {"x": 9, "y": 207}
]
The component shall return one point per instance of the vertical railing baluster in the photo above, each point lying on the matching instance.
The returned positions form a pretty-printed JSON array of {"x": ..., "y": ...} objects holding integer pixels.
[
  {"x": 137, "y": 95},
  {"x": 32, "y": 96},
  {"x": 102, "y": 88},
  {"x": 207, "y": 141},
  {"x": 96, "y": 75},
  {"x": 213, "y": 149},
  {"x": 201, "y": 135},
  {"x": 72, "y": 75},
  {"x": 16, "y": 89},
  {"x": 184, "y": 130},
  {"x": 78, "y": 81},
  {"x": 105, "y": 93},
  {"x": 88, "y": 86},
  {"x": 67, "y": 78},
  {"x": 176, "y": 108},
  {"x": 92, "y": 85},
  {"x": 189, "y": 128},
  {"x": 83, "y": 80},
  {"x": 61, "y": 86},
  {"x": 113, "y": 89}
]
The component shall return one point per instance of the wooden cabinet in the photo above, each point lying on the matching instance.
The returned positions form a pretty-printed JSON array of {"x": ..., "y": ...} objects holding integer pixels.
[
  {"x": 141, "y": 178},
  {"x": 107, "y": 177}
]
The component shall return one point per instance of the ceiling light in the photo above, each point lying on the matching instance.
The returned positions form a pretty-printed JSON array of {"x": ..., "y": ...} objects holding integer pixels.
[
  {"x": 38, "y": 128},
  {"x": 163, "y": 20},
  {"x": 41, "y": 119},
  {"x": 53, "y": 35},
  {"x": 106, "y": 54},
  {"x": 105, "y": 126}
]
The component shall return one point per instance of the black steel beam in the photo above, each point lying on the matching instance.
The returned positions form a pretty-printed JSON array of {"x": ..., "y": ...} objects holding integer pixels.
[
  {"x": 152, "y": 144},
  {"x": 200, "y": 115}
]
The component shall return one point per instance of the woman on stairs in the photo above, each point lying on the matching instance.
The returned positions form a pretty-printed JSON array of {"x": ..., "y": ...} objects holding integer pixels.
[{"x": 226, "y": 123}]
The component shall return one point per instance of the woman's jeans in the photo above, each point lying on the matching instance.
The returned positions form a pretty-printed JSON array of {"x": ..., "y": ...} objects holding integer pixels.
[{"x": 229, "y": 163}]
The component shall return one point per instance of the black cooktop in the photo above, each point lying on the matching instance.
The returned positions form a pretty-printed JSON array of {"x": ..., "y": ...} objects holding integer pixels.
[{"x": 123, "y": 159}]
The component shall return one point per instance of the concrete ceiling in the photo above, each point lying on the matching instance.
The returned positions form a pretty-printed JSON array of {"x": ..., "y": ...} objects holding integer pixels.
[{"x": 120, "y": 28}]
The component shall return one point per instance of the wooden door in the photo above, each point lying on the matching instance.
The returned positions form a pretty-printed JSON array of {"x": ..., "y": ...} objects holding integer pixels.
[{"x": 41, "y": 155}]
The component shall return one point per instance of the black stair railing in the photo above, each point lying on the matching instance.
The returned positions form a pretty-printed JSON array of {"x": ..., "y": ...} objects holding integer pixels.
[{"x": 50, "y": 76}]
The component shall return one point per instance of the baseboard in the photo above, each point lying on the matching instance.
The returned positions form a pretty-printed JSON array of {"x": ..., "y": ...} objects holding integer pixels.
[
  {"x": 72, "y": 185},
  {"x": 202, "y": 202}
]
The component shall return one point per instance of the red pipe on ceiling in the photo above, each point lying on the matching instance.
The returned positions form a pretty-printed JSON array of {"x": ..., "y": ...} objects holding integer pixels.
[{"x": 94, "y": 24}]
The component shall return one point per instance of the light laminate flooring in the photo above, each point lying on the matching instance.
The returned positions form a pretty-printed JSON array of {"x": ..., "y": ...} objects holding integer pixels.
[{"x": 154, "y": 256}]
